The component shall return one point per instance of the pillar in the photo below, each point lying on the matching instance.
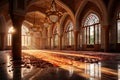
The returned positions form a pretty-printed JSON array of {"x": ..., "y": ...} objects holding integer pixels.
[
  {"x": 2, "y": 32},
  {"x": 106, "y": 29},
  {"x": 44, "y": 43},
  {"x": 2, "y": 43},
  {"x": 16, "y": 46},
  {"x": 60, "y": 42},
  {"x": 75, "y": 39},
  {"x": 49, "y": 42}
]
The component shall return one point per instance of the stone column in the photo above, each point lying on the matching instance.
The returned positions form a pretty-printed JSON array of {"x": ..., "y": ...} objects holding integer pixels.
[
  {"x": 16, "y": 46},
  {"x": 44, "y": 43},
  {"x": 75, "y": 39},
  {"x": 31, "y": 41},
  {"x": 60, "y": 42},
  {"x": 106, "y": 29},
  {"x": 2, "y": 32},
  {"x": 2, "y": 37},
  {"x": 49, "y": 38},
  {"x": 52, "y": 42}
]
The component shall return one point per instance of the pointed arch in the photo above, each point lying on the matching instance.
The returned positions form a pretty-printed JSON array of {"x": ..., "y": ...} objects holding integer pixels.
[
  {"x": 62, "y": 20},
  {"x": 69, "y": 11},
  {"x": 60, "y": 3},
  {"x": 98, "y": 4},
  {"x": 68, "y": 34}
]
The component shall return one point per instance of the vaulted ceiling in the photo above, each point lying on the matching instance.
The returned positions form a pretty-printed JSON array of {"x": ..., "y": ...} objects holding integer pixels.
[{"x": 40, "y": 6}]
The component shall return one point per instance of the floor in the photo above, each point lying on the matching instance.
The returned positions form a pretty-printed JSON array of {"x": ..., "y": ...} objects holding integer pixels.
[{"x": 62, "y": 65}]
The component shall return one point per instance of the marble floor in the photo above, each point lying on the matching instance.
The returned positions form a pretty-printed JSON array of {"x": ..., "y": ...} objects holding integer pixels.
[{"x": 62, "y": 65}]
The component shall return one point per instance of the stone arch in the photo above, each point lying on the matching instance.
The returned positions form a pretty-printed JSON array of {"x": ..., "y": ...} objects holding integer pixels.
[
  {"x": 85, "y": 16},
  {"x": 67, "y": 23},
  {"x": 88, "y": 8},
  {"x": 67, "y": 9},
  {"x": 62, "y": 22},
  {"x": 54, "y": 28},
  {"x": 98, "y": 4},
  {"x": 60, "y": 3}
]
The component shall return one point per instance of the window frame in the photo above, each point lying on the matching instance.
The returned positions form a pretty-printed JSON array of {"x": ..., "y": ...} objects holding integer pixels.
[
  {"x": 118, "y": 18},
  {"x": 69, "y": 30},
  {"x": 25, "y": 38},
  {"x": 86, "y": 29}
]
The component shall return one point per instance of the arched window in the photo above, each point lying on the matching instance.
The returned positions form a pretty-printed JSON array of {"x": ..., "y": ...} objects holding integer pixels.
[
  {"x": 55, "y": 37},
  {"x": 92, "y": 30},
  {"x": 9, "y": 36},
  {"x": 118, "y": 28},
  {"x": 69, "y": 35},
  {"x": 26, "y": 38}
]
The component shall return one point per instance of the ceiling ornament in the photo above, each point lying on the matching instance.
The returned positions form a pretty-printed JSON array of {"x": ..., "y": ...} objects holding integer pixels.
[{"x": 53, "y": 13}]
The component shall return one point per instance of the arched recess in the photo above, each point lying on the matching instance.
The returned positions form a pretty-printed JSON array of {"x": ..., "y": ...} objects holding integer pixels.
[
  {"x": 98, "y": 4},
  {"x": 68, "y": 35},
  {"x": 69, "y": 11},
  {"x": 89, "y": 8},
  {"x": 62, "y": 21},
  {"x": 91, "y": 32}
]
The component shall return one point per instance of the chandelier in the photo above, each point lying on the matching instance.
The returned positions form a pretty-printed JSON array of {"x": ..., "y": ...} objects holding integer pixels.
[{"x": 53, "y": 14}]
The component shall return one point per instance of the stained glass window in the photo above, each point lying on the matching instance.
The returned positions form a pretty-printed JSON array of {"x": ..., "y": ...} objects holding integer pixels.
[
  {"x": 91, "y": 30},
  {"x": 69, "y": 35}
]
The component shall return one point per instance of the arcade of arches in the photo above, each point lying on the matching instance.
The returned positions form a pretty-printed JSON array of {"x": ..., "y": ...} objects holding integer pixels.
[
  {"x": 91, "y": 26},
  {"x": 86, "y": 25}
]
